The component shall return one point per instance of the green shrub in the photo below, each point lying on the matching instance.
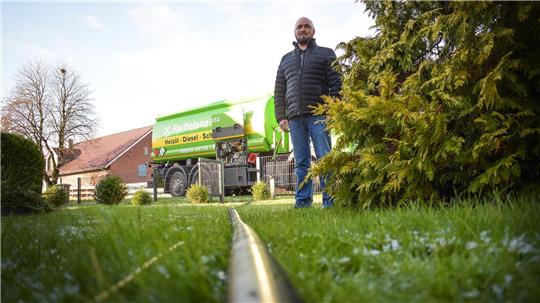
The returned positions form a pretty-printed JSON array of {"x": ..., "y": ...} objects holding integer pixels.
[
  {"x": 429, "y": 112},
  {"x": 260, "y": 191},
  {"x": 110, "y": 190},
  {"x": 22, "y": 175},
  {"x": 141, "y": 197},
  {"x": 56, "y": 195},
  {"x": 197, "y": 194}
]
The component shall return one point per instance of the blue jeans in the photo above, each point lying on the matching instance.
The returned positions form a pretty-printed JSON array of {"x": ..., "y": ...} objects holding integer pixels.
[{"x": 302, "y": 129}]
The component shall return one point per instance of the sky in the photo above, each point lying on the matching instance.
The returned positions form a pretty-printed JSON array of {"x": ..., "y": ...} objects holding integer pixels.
[{"x": 144, "y": 59}]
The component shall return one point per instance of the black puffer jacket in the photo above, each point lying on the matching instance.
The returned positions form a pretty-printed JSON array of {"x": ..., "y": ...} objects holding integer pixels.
[{"x": 298, "y": 87}]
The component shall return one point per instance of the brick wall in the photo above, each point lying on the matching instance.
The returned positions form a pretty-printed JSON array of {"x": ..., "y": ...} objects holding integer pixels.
[{"x": 127, "y": 166}]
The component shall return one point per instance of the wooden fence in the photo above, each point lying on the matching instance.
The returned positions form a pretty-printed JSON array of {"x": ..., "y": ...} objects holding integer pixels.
[{"x": 85, "y": 191}]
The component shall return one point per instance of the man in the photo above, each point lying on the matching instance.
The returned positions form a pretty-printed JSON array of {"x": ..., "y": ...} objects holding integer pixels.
[{"x": 303, "y": 76}]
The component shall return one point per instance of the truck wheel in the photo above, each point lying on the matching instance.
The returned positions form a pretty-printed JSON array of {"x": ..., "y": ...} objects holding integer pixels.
[
  {"x": 207, "y": 179},
  {"x": 178, "y": 184}
]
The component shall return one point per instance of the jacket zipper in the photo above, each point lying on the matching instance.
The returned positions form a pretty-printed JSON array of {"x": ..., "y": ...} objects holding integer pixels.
[{"x": 303, "y": 63}]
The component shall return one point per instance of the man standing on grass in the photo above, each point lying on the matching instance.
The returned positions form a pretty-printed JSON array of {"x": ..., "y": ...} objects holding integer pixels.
[{"x": 303, "y": 76}]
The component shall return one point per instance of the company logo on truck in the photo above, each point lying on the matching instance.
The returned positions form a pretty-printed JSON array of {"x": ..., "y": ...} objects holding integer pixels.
[
  {"x": 159, "y": 153},
  {"x": 188, "y": 126}
]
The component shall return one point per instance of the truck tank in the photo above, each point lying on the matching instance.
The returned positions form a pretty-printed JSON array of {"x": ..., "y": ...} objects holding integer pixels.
[{"x": 233, "y": 131}]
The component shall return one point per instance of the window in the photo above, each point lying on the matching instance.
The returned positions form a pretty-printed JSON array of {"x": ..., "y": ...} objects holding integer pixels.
[
  {"x": 146, "y": 151},
  {"x": 142, "y": 170}
]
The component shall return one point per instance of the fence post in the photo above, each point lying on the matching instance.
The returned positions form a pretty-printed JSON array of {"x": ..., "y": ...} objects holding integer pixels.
[
  {"x": 154, "y": 183},
  {"x": 258, "y": 167},
  {"x": 200, "y": 172},
  {"x": 221, "y": 181},
  {"x": 272, "y": 184},
  {"x": 79, "y": 190}
]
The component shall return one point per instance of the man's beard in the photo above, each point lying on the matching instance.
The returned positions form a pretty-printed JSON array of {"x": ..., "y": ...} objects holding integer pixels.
[{"x": 304, "y": 40}]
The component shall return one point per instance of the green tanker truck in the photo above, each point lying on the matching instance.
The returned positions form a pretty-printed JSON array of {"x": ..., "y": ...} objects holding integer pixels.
[{"x": 234, "y": 132}]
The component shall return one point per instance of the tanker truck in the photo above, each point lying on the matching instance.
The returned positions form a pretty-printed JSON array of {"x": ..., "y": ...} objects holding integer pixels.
[{"x": 235, "y": 132}]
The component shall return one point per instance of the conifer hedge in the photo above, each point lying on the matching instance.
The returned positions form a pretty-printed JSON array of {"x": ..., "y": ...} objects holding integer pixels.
[
  {"x": 22, "y": 175},
  {"x": 444, "y": 100}
]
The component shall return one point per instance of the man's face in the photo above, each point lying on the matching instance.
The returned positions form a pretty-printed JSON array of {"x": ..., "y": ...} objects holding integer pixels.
[{"x": 304, "y": 31}]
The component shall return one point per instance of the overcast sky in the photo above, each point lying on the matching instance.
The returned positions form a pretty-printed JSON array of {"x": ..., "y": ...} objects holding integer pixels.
[{"x": 143, "y": 59}]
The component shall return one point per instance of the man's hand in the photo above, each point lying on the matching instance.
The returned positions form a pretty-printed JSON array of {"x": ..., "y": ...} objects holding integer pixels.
[{"x": 284, "y": 125}]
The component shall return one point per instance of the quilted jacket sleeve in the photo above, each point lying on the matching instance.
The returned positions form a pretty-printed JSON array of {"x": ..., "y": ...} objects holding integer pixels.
[{"x": 280, "y": 90}]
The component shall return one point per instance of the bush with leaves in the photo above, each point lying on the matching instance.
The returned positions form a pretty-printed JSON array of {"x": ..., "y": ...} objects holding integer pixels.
[
  {"x": 197, "y": 194},
  {"x": 110, "y": 190},
  {"x": 22, "y": 175},
  {"x": 443, "y": 100},
  {"x": 260, "y": 191},
  {"x": 141, "y": 197},
  {"x": 56, "y": 195}
]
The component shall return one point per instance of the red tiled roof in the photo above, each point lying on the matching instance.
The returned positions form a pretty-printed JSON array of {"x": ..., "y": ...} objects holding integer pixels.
[{"x": 98, "y": 153}]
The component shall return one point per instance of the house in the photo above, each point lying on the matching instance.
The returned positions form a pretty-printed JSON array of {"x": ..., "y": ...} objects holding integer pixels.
[{"x": 122, "y": 154}]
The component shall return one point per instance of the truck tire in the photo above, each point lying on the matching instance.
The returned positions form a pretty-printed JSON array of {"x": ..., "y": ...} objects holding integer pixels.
[
  {"x": 206, "y": 178},
  {"x": 178, "y": 184}
]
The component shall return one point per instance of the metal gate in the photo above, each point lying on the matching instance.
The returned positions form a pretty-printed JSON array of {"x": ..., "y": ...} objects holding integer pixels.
[
  {"x": 281, "y": 168},
  {"x": 210, "y": 174}
]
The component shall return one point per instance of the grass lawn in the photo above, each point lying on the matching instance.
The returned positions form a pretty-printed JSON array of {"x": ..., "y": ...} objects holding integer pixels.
[
  {"x": 482, "y": 252},
  {"x": 75, "y": 253},
  {"x": 468, "y": 252}
]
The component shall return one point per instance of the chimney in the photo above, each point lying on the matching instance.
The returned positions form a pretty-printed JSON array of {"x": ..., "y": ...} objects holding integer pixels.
[{"x": 70, "y": 143}]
